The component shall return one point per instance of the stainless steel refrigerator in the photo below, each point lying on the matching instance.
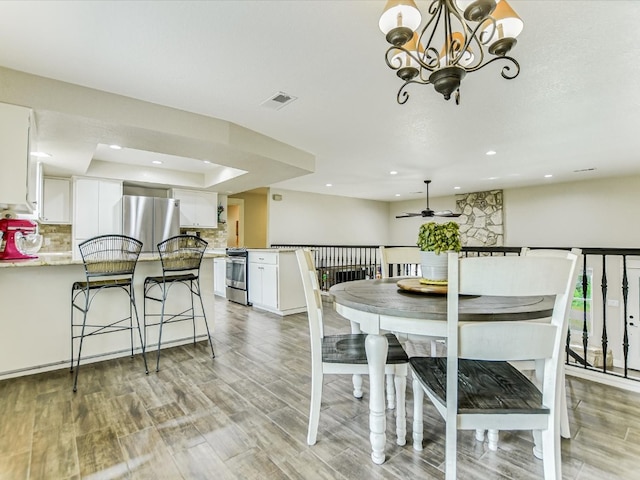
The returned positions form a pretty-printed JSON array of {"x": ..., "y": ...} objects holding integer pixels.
[{"x": 150, "y": 219}]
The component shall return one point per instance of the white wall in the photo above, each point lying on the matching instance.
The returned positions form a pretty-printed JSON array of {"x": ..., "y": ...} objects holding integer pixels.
[
  {"x": 309, "y": 218},
  {"x": 589, "y": 213},
  {"x": 593, "y": 213}
]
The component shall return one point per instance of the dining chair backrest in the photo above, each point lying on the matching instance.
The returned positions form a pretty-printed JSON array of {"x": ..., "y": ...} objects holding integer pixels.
[
  {"x": 313, "y": 299},
  {"x": 399, "y": 261},
  {"x": 572, "y": 254},
  {"x": 110, "y": 255},
  {"x": 510, "y": 277}
]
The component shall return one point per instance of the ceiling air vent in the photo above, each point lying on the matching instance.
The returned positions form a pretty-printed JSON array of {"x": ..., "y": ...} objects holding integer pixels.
[{"x": 278, "y": 100}]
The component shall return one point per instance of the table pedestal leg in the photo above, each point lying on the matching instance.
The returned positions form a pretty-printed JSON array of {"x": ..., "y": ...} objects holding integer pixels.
[{"x": 376, "y": 347}]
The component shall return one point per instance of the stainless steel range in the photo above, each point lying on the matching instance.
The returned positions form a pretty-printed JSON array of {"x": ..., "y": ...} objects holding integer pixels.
[{"x": 237, "y": 278}]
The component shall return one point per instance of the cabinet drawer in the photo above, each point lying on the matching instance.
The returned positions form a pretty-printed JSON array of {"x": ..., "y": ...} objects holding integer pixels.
[{"x": 264, "y": 257}]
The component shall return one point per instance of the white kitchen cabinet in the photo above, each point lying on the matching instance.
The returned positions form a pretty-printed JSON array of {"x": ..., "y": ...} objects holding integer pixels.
[
  {"x": 55, "y": 205},
  {"x": 220, "y": 276},
  {"x": 18, "y": 181},
  {"x": 97, "y": 209},
  {"x": 274, "y": 282},
  {"x": 197, "y": 208}
]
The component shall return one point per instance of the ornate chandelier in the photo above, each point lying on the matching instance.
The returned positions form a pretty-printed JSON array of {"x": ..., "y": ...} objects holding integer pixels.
[{"x": 461, "y": 36}]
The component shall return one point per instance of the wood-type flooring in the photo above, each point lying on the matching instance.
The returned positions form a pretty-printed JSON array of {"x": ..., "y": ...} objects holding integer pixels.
[{"x": 243, "y": 415}]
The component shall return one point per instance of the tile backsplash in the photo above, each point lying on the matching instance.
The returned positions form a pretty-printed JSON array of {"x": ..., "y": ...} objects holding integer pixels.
[
  {"x": 216, "y": 237},
  {"x": 57, "y": 238}
]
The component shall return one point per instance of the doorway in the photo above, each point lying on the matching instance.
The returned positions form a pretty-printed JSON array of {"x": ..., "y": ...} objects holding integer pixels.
[{"x": 235, "y": 222}]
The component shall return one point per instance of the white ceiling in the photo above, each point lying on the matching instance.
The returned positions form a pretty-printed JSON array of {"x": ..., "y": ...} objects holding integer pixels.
[{"x": 575, "y": 105}]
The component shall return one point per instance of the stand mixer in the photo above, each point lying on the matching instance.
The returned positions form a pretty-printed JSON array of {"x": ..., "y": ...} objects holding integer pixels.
[{"x": 20, "y": 238}]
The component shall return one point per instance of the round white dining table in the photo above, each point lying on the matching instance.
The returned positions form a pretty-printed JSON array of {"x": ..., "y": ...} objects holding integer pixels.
[{"x": 379, "y": 306}]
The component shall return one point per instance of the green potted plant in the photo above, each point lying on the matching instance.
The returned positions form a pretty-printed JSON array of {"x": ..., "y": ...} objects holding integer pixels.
[{"x": 435, "y": 240}]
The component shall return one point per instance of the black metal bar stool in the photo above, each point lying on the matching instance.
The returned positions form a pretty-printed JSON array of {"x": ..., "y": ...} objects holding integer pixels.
[
  {"x": 181, "y": 257},
  {"x": 109, "y": 262}
]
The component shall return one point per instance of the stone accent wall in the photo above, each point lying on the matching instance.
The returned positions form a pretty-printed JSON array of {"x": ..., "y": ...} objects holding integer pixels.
[{"x": 481, "y": 222}]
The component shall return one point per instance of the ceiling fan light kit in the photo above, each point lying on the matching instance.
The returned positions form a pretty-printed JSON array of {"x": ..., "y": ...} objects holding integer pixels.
[{"x": 459, "y": 37}]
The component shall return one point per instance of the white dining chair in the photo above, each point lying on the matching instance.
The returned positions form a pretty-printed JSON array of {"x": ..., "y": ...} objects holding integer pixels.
[
  {"x": 475, "y": 386},
  {"x": 405, "y": 262},
  {"x": 399, "y": 261},
  {"x": 344, "y": 354},
  {"x": 565, "y": 429}
]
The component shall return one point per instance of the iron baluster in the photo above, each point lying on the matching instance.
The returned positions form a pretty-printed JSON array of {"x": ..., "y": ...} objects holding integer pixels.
[
  {"x": 604, "y": 311},
  {"x": 585, "y": 333}
]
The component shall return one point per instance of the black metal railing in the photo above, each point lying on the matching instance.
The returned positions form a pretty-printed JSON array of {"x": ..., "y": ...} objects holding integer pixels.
[{"x": 604, "y": 332}]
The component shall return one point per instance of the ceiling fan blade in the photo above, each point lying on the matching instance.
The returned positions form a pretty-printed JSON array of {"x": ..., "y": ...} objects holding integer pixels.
[
  {"x": 407, "y": 215},
  {"x": 447, "y": 213}
]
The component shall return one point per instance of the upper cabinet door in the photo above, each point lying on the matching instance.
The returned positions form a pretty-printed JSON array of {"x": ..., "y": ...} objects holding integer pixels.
[
  {"x": 14, "y": 155},
  {"x": 197, "y": 208},
  {"x": 56, "y": 201}
]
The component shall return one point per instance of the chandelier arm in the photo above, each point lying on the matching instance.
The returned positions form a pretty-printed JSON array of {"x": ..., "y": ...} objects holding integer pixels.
[
  {"x": 398, "y": 61},
  {"x": 402, "y": 93},
  {"x": 505, "y": 69},
  {"x": 472, "y": 37},
  {"x": 488, "y": 34},
  {"x": 435, "y": 10}
]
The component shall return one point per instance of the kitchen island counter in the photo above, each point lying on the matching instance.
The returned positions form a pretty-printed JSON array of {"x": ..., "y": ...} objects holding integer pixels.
[{"x": 35, "y": 319}]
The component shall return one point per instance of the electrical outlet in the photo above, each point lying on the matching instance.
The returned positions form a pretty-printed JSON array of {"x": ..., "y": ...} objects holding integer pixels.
[
  {"x": 47, "y": 242},
  {"x": 613, "y": 303}
]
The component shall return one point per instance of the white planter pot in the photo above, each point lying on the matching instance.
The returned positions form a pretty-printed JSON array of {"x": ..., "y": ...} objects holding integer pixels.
[{"x": 434, "y": 265}]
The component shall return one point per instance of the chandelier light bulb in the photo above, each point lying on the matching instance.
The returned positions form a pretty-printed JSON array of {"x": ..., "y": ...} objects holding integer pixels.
[
  {"x": 501, "y": 36},
  {"x": 399, "y": 20}
]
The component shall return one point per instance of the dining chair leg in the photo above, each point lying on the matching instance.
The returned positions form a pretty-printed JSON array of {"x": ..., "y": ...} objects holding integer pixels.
[
  {"x": 565, "y": 430},
  {"x": 357, "y": 385},
  {"x": 492, "y": 437},
  {"x": 480, "y": 434},
  {"x": 391, "y": 397},
  {"x": 314, "y": 407},
  {"x": 418, "y": 398},
  {"x": 400, "y": 380},
  {"x": 551, "y": 454}
]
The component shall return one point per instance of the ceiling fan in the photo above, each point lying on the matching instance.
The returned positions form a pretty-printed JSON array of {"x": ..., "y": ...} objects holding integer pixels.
[{"x": 427, "y": 212}]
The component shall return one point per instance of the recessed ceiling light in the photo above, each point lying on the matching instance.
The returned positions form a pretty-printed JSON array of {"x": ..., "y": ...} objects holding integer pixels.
[
  {"x": 206, "y": 161},
  {"x": 456, "y": 188},
  {"x": 548, "y": 175},
  {"x": 393, "y": 172},
  {"x": 329, "y": 185},
  {"x": 397, "y": 194},
  {"x": 156, "y": 162},
  {"x": 40, "y": 154},
  {"x": 491, "y": 152},
  {"x": 115, "y": 147},
  {"x": 493, "y": 178}
]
